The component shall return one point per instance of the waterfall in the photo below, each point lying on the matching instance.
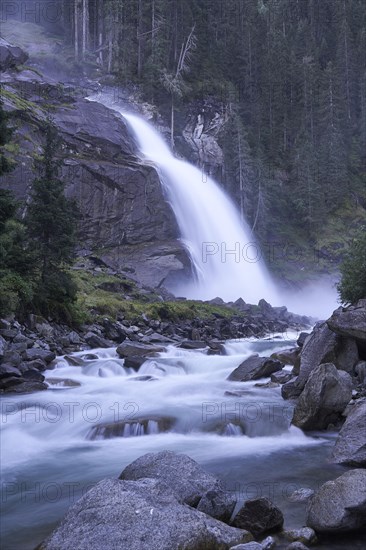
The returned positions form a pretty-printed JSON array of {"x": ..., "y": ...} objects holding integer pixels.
[{"x": 226, "y": 258}]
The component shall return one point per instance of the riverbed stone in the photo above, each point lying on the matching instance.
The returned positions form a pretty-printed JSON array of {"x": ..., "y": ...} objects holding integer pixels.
[
  {"x": 33, "y": 374},
  {"x": 360, "y": 372},
  {"x": 302, "y": 338},
  {"x": 137, "y": 349},
  {"x": 3, "y": 346},
  {"x": 7, "y": 383},
  {"x": 193, "y": 344},
  {"x": 12, "y": 356},
  {"x": 347, "y": 355},
  {"x": 260, "y": 515},
  {"x": 318, "y": 348},
  {"x": 218, "y": 504},
  {"x": 290, "y": 390},
  {"x": 306, "y": 535},
  {"x": 350, "y": 447},
  {"x": 25, "y": 386},
  {"x": 10, "y": 55},
  {"x": 7, "y": 370},
  {"x": 350, "y": 321},
  {"x": 134, "y": 361},
  {"x": 248, "y": 546},
  {"x": 139, "y": 515},
  {"x": 281, "y": 376},
  {"x": 188, "y": 487},
  {"x": 32, "y": 354},
  {"x": 287, "y": 356},
  {"x": 325, "y": 396},
  {"x": 255, "y": 367},
  {"x": 38, "y": 364},
  {"x": 297, "y": 545},
  {"x": 97, "y": 341},
  {"x": 301, "y": 495},
  {"x": 268, "y": 543},
  {"x": 339, "y": 505}
]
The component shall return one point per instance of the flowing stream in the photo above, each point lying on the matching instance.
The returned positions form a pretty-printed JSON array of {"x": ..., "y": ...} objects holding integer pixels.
[{"x": 57, "y": 444}]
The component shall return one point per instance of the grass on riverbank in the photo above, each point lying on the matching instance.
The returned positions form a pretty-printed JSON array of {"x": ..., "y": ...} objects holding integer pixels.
[{"x": 103, "y": 295}]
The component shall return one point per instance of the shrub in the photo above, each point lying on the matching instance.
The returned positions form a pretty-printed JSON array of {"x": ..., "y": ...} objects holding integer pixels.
[{"x": 352, "y": 286}]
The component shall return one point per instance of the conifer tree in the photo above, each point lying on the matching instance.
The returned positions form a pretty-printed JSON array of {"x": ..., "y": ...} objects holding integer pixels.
[
  {"x": 16, "y": 284},
  {"x": 51, "y": 222}
]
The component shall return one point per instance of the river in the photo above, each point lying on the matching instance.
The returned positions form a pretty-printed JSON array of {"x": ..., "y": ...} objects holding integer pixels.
[{"x": 52, "y": 452}]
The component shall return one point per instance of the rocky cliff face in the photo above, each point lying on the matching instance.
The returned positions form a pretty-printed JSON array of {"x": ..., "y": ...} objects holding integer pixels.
[
  {"x": 125, "y": 219},
  {"x": 203, "y": 123}
]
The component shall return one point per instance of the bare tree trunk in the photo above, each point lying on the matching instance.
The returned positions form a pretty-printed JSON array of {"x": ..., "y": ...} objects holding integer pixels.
[
  {"x": 84, "y": 23},
  {"x": 100, "y": 31},
  {"x": 76, "y": 28},
  {"x": 110, "y": 52},
  {"x": 258, "y": 206},
  {"x": 139, "y": 40},
  {"x": 241, "y": 186},
  {"x": 175, "y": 31},
  {"x": 172, "y": 126},
  {"x": 153, "y": 30},
  {"x": 346, "y": 59}
]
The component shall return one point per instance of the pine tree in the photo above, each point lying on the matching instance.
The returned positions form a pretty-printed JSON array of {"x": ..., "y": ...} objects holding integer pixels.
[
  {"x": 51, "y": 222},
  {"x": 16, "y": 284}
]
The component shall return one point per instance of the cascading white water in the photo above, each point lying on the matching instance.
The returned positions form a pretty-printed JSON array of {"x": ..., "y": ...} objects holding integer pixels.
[
  {"x": 98, "y": 416},
  {"x": 227, "y": 260}
]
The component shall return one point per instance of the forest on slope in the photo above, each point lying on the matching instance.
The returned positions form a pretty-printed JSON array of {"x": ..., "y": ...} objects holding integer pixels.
[{"x": 290, "y": 75}]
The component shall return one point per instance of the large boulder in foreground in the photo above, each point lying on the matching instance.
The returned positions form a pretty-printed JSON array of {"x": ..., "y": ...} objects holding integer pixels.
[
  {"x": 350, "y": 321},
  {"x": 324, "y": 346},
  {"x": 261, "y": 515},
  {"x": 255, "y": 367},
  {"x": 325, "y": 396},
  {"x": 350, "y": 447},
  {"x": 318, "y": 348},
  {"x": 339, "y": 505},
  {"x": 139, "y": 515},
  {"x": 189, "y": 483}
]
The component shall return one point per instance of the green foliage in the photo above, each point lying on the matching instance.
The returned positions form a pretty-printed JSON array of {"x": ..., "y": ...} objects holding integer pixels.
[
  {"x": 8, "y": 207},
  {"x": 51, "y": 223},
  {"x": 15, "y": 250},
  {"x": 55, "y": 295},
  {"x": 51, "y": 217},
  {"x": 16, "y": 292},
  {"x": 16, "y": 260},
  {"x": 352, "y": 286},
  {"x": 16, "y": 285},
  {"x": 5, "y": 135},
  {"x": 123, "y": 298},
  {"x": 187, "y": 309},
  {"x": 6, "y": 147},
  {"x": 291, "y": 73},
  {"x": 295, "y": 75}
]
